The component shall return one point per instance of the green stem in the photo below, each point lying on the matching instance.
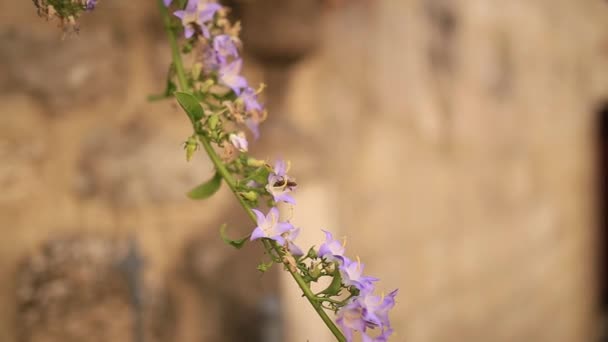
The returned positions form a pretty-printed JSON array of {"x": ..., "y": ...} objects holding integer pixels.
[{"x": 269, "y": 245}]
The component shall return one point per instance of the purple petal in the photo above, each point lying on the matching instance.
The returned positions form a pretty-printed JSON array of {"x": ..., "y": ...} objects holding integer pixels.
[
  {"x": 274, "y": 211},
  {"x": 279, "y": 239},
  {"x": 257, "y": 233},
  {"x": 283, "y": 227},
  {"x": 167, "y": 2},
  {"x": 280, "y": 168},
  {"x": 285, "y": 198},
  {"x": 188, "y": 31},
  {"x": 294, "y": 249},
  {"x": 261, "y": 219},
  {"x": 180, "y": 14}
]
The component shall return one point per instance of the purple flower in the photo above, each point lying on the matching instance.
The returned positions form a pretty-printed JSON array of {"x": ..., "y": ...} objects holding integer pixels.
[
  {"x": 270, "y": 227},
  {"x": 197, "y": 13},
  {"x": 206, "y": 12},
  {"x": 352, "y": 275},
  {"x": 290, "y": 236},
  {"x": 238, "y": 140},
  {"x": 167, "y": 2},
  {"x": 224, "y": 47},
  {"x": 331, "y": 249},
  {"x": 250, "y": 100},
  {"x": 90, "y": 5},
  {"x": 350, "y": 319},
  {"x": 367, "y": 311},
  {"x": 189, "y": 17},
  {"x": 229, "y": 75},
  {"x": 209, "y": 59},
  {"x": 279, "y": 184},
  {"x": 377, "y": 308}
]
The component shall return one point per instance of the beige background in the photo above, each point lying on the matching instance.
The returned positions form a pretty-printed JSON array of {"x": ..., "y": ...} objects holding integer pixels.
[{"x": 452, "y": 142}]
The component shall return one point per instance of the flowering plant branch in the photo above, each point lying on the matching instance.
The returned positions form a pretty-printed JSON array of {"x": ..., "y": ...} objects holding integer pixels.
[{"x": 219, "y": 103}]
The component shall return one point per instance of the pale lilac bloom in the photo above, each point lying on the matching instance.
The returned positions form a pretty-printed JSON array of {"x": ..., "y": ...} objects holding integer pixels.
[
  {"x": 350, "y": 319},
  {"x": 189, "y": 17},
  {"x": 197, "y": 13},
  {"x": 367, "y": 311},
  {"x": 209, "y": 59},
  {"x": 229, "y": 75},
  {"x": 250, "y": 100},
  {"x": 239, "y": 141},
  {"x": 352, "y": 275},
  {"x": 280, "y": 184},
  {"x": 224, "y": 47},
  {"x": 270, "y": 227},
  {"x": 90, "y": 5},
  {"x": 167, "y": 2},
  {"x": 290, "y": 236},
  {"x": 331, "y": 249},
  {"x": 206, "y": 12},
  {"x": 376, "y": 308}
]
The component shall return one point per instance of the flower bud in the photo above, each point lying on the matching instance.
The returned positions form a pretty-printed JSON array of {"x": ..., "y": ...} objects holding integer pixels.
[
  {"x": 255, "y": 162},
  {"x": 213, "y": 121},
  {"x": 191, "y": 145},
  {"x": 249, "y": 195}
]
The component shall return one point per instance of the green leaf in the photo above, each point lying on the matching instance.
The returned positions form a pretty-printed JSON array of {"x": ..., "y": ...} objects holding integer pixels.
[
  {"x": 238, "y": 244},
  {"x": 190, "y": 105},
  {"x": 206, "y": 189},
  {"x": 335, "y": 287}
]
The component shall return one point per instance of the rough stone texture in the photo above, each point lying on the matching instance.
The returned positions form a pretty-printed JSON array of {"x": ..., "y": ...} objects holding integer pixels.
[
  {"x": 459, "y": 138},
  {"x": 451, "y": 141},
  {"x": 75, "y": 289}
]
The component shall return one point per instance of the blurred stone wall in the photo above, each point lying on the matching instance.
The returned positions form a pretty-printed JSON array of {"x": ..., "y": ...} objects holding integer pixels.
[
  {"x": 451, "y": 141},
  {"x": 459, "y": 147}
]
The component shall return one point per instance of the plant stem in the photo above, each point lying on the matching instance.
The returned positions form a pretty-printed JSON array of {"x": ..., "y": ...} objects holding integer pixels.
[{"x": 269, "y": 245}]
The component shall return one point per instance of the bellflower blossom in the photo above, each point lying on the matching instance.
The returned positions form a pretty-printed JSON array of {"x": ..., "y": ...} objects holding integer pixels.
[
  {"x": 270, "y": 227},
  {"x": 367, "y": 311},
  {"x": 224, "y": 47},
  {"x": 280, "y": 184},
  {"x": 229, "y": 75},
  {"x": 250, "y": 100},
  {"x": 90, "y": 5},
  {"x": 352, "y": 275},
  {"x": 206, "y": 12},
  {"x": 290, "y": 236},
  {"x": 239, "y": 141},
  {"x": 331, "y": 249},
  {"x": 350, "y": 319},
  {"x": 196, "y": 14},
  {"x": 189, "y": 17}
]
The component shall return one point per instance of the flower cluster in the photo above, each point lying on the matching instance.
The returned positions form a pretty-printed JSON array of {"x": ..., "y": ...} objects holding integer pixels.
[
  {"x": 228, "y": 103},
  {"x": 67, "y": 11}
]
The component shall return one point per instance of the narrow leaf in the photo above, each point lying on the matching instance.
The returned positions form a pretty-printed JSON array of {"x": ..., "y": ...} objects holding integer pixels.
[
  {"x": 190, "y": 105},
  {"x": 238, "y": 243},
  {"x": 206, "y": 189},
  {"x": 336, "y": 285}
]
